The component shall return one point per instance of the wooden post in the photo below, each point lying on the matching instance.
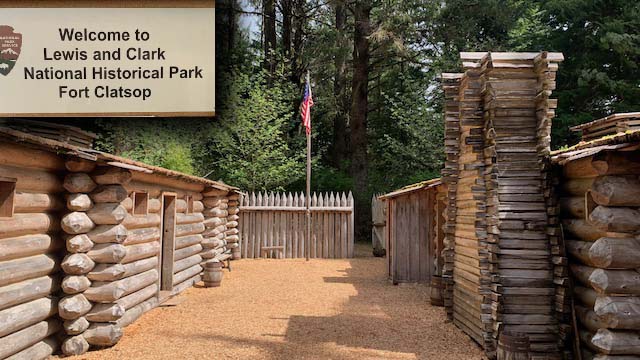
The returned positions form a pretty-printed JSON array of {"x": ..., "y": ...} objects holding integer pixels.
[
  {"x": 308, "y": 203},
  {"x": 308, "y": 132}
]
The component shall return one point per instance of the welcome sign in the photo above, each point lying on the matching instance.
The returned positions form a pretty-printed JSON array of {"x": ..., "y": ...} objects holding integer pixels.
[{"x": 103, "y": 58}]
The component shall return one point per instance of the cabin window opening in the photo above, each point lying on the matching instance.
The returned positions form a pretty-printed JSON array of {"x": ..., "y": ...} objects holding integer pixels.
[
  {"x": 140, "y": 203},
  {"x": 189, "y": 200},
  {"x": 7, "y": 196}
]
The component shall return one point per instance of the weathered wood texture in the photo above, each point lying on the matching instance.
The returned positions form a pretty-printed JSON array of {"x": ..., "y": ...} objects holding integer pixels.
[
  {"x": 413, "y": 236},
  {"x": 501, "y": 240},
  {"x": 82, "y": 219},
  {"x": 604, "y": 249},
  {"x": 450, "y": 172},
  {"x": 378, "y": 228},
  {"x": 30, "y": 244},
  {"x": 274, "y": 225},
  {"x": 76, "y": 264}
]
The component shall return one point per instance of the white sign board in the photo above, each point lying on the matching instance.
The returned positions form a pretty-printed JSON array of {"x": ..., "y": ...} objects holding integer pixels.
[{"x": 107, "y": 61}]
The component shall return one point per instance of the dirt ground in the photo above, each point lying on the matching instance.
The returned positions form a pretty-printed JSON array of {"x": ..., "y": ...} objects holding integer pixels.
[{"x": 292, "y": 309}]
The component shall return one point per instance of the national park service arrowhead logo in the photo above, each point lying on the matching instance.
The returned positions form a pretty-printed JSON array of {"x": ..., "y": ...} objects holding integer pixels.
[{"x": 10, "y": 45}]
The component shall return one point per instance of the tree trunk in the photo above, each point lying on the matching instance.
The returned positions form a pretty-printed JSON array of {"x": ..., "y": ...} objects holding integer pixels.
[
  {"x": 225, "y": 26},
  {"x": 299, "y": 17},
  {"x": 269, "y": 24},
  {"x": 287, "y": 27},
  {"x": 339, "y": 147},
  {"x": 358, "y": 118}
]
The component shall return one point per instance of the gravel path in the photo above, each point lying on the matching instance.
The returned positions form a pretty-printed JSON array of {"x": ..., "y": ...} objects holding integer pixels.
[{"x": 292, "y": 309}]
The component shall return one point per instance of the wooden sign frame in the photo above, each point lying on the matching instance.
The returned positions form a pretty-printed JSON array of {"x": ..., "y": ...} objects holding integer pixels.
[
  {"x": 107, "y": 4},
  {"x": 133, "y": 4}
]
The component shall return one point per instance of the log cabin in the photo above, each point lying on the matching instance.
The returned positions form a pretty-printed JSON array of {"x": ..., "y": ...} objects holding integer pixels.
[
  {"x": 414, "y": 236},
  {"x": 599, "y": 202},
  {"x": 90, "y": 241}
]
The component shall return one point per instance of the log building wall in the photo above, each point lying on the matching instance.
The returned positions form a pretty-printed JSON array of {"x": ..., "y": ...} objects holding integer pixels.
[
  {"x": 81, "y": 246},
  {"x": 30, "y": 252},
  {"x": 599, "y": 201}
]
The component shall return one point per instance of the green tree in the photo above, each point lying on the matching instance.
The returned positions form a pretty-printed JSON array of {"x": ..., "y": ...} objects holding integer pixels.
[
  {"x": 600, "y": 40},
  {"x": 250, "y": 148}
]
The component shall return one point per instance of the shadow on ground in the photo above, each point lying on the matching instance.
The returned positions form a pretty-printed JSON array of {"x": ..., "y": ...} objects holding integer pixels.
[{"x": 292, "y": 309}]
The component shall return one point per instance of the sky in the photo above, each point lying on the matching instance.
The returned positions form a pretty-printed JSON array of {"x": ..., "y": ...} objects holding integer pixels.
[{"x": 250, "y": 22}]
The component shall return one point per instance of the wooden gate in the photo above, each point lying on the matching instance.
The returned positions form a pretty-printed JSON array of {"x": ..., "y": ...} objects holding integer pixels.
[
  {"x": 379, "y": 220},
  {"x": 274, "y": 225}
]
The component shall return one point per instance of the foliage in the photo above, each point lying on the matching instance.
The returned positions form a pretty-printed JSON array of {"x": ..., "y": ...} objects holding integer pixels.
[
  {"x": 250, "y": 147},
  {"x": 256, "y": 142},
  {"x": 161, "y": 142},
  {"x": 178, "y": 157},
  {"x": 600, "y": 75}
]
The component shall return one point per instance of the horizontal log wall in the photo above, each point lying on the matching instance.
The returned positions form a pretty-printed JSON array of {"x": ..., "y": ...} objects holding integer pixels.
[
  {"x": 221, "y": 235},
  {"x": 599, "y": 209},
  {"x": 144, "y": 242},
  {"x": 30, "y": 244},
  {"x": 80, "y": 257},
  {"x": 279, "y": 220}
]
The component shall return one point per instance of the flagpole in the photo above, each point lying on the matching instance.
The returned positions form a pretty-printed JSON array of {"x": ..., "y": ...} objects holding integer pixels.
[{"x": 308, "y": 252}]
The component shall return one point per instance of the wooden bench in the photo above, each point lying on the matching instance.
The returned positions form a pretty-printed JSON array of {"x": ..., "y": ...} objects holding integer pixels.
[{"x": 265, "y": 249}]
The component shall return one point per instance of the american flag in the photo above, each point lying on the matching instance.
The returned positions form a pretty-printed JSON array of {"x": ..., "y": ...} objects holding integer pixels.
[{"x": 305, "y": 107}]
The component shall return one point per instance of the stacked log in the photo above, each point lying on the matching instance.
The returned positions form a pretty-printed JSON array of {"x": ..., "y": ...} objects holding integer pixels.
[
  {"x": 545, "y": 111},
  {"x": 437, "y": 210},
  {"x": 503, "y": 266},
  {"x": 217, "y": 246},
  {"x": 451, "y": 85},
  {"x": 29, "y": 242},
  {"x": 106, "y": 274},
  {"x": 233, "y": 234},
  {"x": 518, "y": 116},
  {"x": 601, "y": 229},
  {"x": 472, "y": 283},
  {"x": 77, "y": 263}
]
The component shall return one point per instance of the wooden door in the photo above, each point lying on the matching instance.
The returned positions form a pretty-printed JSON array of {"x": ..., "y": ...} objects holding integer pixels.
[
  {"x": 410, "y": 238},
  {"x": 401, "y": 240},
  {"x": 168, "y": 241}
]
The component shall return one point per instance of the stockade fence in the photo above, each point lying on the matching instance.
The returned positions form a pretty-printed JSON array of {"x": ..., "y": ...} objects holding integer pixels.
[{"x": 274, "y": 225}]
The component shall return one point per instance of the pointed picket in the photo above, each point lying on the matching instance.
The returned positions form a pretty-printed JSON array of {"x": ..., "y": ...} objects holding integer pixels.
[
  {"x": 271, "y": 223},
  {"x": 350, "y": 227},
  {"x": 344, "y": 237},
  {"x": 251, "y": 228}
]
